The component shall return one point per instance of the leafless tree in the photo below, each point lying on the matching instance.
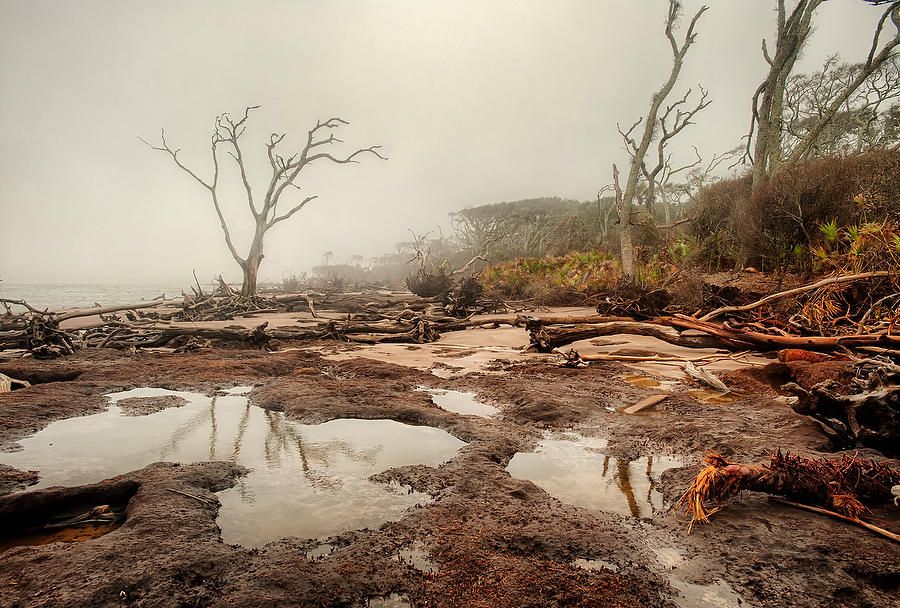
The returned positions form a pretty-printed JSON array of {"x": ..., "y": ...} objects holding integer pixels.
[
  {"x": 680, "y": 117},
  {"x": 655, "y": 127},
  {"x": 285, "y": 173},
  {"x": 863, "y": 120},
  {"x": 768, "y": 102},
  {"x": 481, "y": 232},
  {"x": 670, "y": 192}
]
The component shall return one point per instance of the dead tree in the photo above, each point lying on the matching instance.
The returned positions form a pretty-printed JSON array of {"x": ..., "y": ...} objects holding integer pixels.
[
  {"x": 285, "y": 173},
  {"x": 768, "y": 102},
  {"x": 874, "y": 62},
  {"x": 864, "y": 120},
  {"x": 652, "y": 125},
  {"x": 680, "y": 118}
]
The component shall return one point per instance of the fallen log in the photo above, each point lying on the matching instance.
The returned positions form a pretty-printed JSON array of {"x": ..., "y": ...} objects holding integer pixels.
[
  {"x": 6, "y": 383},
  {"x": 705, "y": 377},
  {"x": 763, "y": 341},
  {"x": 104, "y": 310},
  {"x": 522, "y": 320},
  {"x": 545, "y": 338},
  {"x": 870, "y": 419},
  {"x": 657, "y": 358}
]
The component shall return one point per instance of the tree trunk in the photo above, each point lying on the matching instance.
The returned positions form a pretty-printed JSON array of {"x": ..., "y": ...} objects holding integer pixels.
[
  {"x": 624, "y": 211},
  {"x": 254, "y": 259},
  {"x": 251, "y": 272}
]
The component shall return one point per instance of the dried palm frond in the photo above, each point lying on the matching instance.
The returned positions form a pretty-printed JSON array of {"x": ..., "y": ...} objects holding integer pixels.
[{"x": 836, "y": 484}]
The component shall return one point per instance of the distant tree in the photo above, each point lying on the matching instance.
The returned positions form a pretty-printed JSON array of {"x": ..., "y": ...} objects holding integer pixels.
[
  {"x": 285, "y": 173},
  {"x": 511, "y": 229},
  {"x": 655, "y": 127}
]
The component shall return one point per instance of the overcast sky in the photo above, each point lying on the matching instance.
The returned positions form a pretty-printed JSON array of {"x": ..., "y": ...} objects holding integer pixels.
[{"x": 474, "y": 102}]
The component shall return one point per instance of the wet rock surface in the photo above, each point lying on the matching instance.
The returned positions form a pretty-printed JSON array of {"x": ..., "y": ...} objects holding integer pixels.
[
  {"x": 490, "y": 539},
  {"x": 144, "y": 406}
]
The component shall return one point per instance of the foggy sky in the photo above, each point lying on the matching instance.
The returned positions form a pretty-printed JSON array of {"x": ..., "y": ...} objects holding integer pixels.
[{"x": 473, "y": 102}]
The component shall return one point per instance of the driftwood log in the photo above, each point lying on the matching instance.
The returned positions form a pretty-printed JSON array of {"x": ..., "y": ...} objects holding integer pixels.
[
  {"x": 762, "y": 341},
  {"x": 870, "y": 419},
  {"x": 545, "y": 338}
]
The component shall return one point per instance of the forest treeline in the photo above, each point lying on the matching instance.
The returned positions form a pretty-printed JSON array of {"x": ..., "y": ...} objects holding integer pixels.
[{"x": 805, "y": 213}]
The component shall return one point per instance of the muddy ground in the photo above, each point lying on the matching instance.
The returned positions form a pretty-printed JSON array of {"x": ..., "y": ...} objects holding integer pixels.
[{"x": 490, "y": 539}]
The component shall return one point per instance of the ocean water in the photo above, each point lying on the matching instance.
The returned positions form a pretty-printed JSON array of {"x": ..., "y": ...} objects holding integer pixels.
[{"x": 59, "y": 296}]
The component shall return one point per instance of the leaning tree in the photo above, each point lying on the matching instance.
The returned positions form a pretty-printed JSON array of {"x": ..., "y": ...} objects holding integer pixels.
[{"x": 285, "y": 174}]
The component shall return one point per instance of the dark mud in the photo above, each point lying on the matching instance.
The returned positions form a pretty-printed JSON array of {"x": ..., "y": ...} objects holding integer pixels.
[{"x": 488, "y": 539}]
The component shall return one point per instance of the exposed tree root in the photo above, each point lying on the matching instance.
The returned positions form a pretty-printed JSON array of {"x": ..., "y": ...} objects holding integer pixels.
[{"x": 838, "y": 484}]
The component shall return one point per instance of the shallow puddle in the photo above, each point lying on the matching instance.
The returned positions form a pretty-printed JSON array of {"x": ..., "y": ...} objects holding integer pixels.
[
  {"x": 459, "y": 402},
  {"x": 650, "y": 382},
  {"x": 69, "y": 534},
  {"x": 320, "y": 551},
  {"x": 646, "y": 381},
  {"x": 668, "y": 557},
  {"x": 716, "y": 595},
  {"x": 305, "y": 480},
  {"x": 575, "y": 470},
  {"x": 417, "y": 557},
  {"x": 595, "y": 564},
  {"x": 393, "y": 600},
  {"x": 690, "y": 595}
]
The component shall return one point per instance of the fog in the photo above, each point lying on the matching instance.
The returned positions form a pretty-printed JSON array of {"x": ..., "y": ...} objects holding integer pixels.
[{"x": 473, "y": 102}]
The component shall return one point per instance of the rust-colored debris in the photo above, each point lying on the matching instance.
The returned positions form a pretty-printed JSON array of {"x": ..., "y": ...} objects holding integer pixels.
[{"x": 837, "y": 484}]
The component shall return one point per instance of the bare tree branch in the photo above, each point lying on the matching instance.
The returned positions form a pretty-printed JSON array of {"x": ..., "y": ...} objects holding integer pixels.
[{"x": 285, "y": 172}]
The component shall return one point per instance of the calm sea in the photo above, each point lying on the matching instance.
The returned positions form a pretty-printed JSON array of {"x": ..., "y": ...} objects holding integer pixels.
[{"x": 57, "y": 296}]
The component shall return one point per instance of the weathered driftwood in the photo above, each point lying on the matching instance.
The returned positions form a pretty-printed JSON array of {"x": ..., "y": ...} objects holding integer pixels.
[
  {"x": 704, "y": 376},
  {"x": 7, "y": 383},
  {"x": 545, "y": 338},
  {"x": 870, "y": 418},
  {"x": 645, "y": 404},
  {"x": 830, "y": 513},
  {"x": 522, "y": 320},
  {"x": 104, "y": 310},
  {"x": 763, "y": 341}
]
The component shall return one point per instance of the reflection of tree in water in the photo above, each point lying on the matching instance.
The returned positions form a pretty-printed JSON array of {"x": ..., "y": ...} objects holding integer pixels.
[
  {"x": 212, "y": 429},
  {"x": 247, "y": 494},
  {"x": 623, "y": 478},
  {"x": 186, "y": 430},
  {"x": 651, "y": 485},
  {"x": 282, "y": 439}
]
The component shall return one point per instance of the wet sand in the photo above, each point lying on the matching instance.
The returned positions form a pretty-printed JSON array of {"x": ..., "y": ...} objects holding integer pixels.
[{"x": 486, "y": 537}]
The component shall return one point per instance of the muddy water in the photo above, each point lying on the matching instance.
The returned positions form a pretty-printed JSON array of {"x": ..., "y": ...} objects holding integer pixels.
[
  {"x": 305, "y": 480},
  {"x": 69, "y": 534},
  {"x": 575, "y": 470}
]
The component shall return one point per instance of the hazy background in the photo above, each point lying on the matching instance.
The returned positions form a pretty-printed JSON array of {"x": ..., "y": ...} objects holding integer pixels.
[{"x": 474, "y": 102}]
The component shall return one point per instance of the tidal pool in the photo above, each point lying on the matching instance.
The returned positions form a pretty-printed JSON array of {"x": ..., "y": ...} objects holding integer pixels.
[
  {"x": 575, "y": 470},
  {"x": 305, "y": 480},
  {"x": 460, "y": 402}
]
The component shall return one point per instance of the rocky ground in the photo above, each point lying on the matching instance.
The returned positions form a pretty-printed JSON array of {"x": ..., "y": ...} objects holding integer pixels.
[{"x": 487, "y": 539}]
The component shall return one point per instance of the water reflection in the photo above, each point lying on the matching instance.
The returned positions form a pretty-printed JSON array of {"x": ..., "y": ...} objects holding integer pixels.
[
  {"x": 305, "y": 480},
  {"x": 460, "y": 402},
  {"x": 575, "y": 470}
]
